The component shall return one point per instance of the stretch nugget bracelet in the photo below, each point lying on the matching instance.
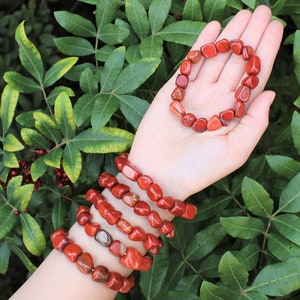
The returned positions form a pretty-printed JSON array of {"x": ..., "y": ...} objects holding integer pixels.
[{"x": 242, "y": 93}]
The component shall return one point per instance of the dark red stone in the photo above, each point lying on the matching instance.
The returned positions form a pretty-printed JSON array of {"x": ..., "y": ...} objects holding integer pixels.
[
  {"x": 91, "y": 228},
  {"x": 146, "y": 264},
  {"x": 243, "y": 93},
  {"x": 239, "y": 109},
  {"x": 152, "y": 243},
  {"x": 84, "y": 218},
  {"x": 251, "y": 81},
  {"x": 113, "y": 216},
  {"x": 142, "y": 208},
  {"x": 226, "y": 116},
  {"x": 247, "y": 52},
  {"x": 132, "y": 259},
  {"x": 186, "y": 67},
  {"x": 200, "y": 125},
  {"x": 131, "y": 172},
  {"x": 167, "y": 227},
  {"x": 128, "y": 284},
  {"x": 85, "y": 263},
  {"x": 236, "y": 46},
  {"x": 178, "y": 208},
  {"x": 209, "y": 50},
  {"x": 60, "y": 242},
  {"x": 178, "y": 94},
  {"x": 154, "y": 219},
  {"x": 188, "y": 119},
  {"x": 253, "y": 65},
  {"x": 177, "y": 108},
  {"x": 120, "y": 161},
  {"x": 80, "y": 209},
  {"x": 119, "y": 190},
  {"x": 154, "y": 192},
  {"x": 124, "y": 226},
  {"x": 194, "y": 56},
  {"x": 117, "y": 248},
  {"x": 72, "y": 252},
  {"x": 214, "y": 123},
  {"x": 137, "y": 234},
  {"x": 104, "y": 208},
  {"x": 222, "y": 46},
  {"x": 182, "y": 81},
  {"x": 144, "y": 182},
  {"x": 165, "y": 202},
  {"x": 115, "y": 281},
  {"x": 190, "y": 211},
  {"x": 100, "y": 274}
]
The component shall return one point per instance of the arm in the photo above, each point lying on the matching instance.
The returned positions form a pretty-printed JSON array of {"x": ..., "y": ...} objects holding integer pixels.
[{"x": 181, "y": 161}]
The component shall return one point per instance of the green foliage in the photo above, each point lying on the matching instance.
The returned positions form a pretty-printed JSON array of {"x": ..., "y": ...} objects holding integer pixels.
[{"x": 69, "y": 103}]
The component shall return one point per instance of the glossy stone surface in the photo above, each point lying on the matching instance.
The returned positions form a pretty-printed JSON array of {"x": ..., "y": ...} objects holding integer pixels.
[
  {"x": 115, "y": 281},
  {"x": 154, "y": 219},
  {"x": 117, "y": 248},
  {"x": 236, "y": 46},
  {"x": 144, "y": 182},
  {"x": 177, "y": 108},
  {"x": 85, "y": 263},
  {"x": 190, "y": 211},
  {"x": 91, "y": 195},
  {"x": 137, "y": 234},
  {"x": 167, "y": 227},
  {"x": 120, "y": 161},
  {"x": 186, "y": 67},
  {"x": 178, "y": 94},
  {"x": 188, "y": 119},
  {"x": 100, "y": 274},
  {"x": 72, "y": 252},
  {"x": 226, "y": 116},
  {"x": 142, "y": 208},
  {"x": 200, "y": 125},
  {"x": 132, "y": 259},
  {"x": 113, "y": 216},
  {"x": 242, "y": 93},
  {"x": 178, "y": 208},
  {"x": 60, "y": 242},
  {"x": 103, "y": 237},
  {"x": 119, "y": 190},
  {"x": 165, "y": 202},
  {"x": 214, "y": 123},
  {"x": 251, "y": 81},
  {"x": 104, "y": 208},
  {"x": 84, "y": 218},
  {"x": 253, "y": 65},
  {"x": 124, "y": 226},
  {"x": 209, "y": 50},
  {"x": 222, "y": 46},
  {"x": 58, "y": 232},
  {"x": 91, "y": 228},
  {"x": 80, "y": 209},
  {"x": 131, "y": 172},
  {"x": 239, "y": 109},
  {"x": 182, "y": 81},
  {"x": 128, "y": 284},
  {"x": 98, "y": 200},
  {"x": 152, "y": 243},
  {"x": 130, "y": 199},
  {"x": 154, "y": 192},
  {"x": 194, "y": 56},
  {"x": 107, "y": 180},
  {"x": 247, "y": 52}
]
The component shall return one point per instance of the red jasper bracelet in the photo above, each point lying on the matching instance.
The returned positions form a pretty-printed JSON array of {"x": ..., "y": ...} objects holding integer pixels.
[
  {"x": 242, "y": 93},
  {"x": 85, "y": 264},
  {"x": 129, "y": 257}
]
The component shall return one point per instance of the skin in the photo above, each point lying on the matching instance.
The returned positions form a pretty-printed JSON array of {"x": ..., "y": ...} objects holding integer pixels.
[{"x": 185, "y": 161}]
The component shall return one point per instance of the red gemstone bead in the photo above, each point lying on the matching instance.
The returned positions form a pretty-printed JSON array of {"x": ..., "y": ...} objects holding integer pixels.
[
  {"x": 154, "y": 219},
  {"x": 154, "y": 192},
  {"x": 98, "y": 200},
  {"x": 209, "y": 50},
  {"x": 200, "y": 125},
  {"x": 142, "y": 208},
  {"x": 132, "y": 259},
  {"x": 107, "y": 180},
  {"x": 146, "y": 264},
  {"x": 124, "y": 226},
  {"x": 167, "y": 227},
  {"x": 85, "y": 263},
  {"x": 194, "y": 56},
  {"x": 177, "y": 108},
  {"x": 190, "y": 211},
  {"x": 182, "y": 81},
  {"x": 226, "y": 116},
  {"x": 91, "y": 195},
  {"x": 247, "y": 52},
  {"x": 222, "y": 46},
  {"x": 186, "y": 67},
  {"x": 239, "y": 109},
  {"x": 178, "y": 208},
  {"x": 131, "y": 172},
  {"x": 165, "y": 202},
  {"x": 84, "y": 218},
  {"x": 119, "y": 190},
  {"x": 115, "y": 281},
  {"x": 178, "y": 94},
  {"x": 127, "y": 284},
  {"x": 214, "y": 123},
  {"x": 100, "y": 274},
  {"x": 58, "y": 232},
  {"x": 152, "y": 243},
  {"x": 243, "y": 93},
  {"x": 253, "y": 65},
  {"x": 113, "y": 216},
  {"x": 236, "y": 46},
  {"x": 60, "y": 242},
  {"x": 104, "y": 208},
  {"x": 72, "y": 252},
  {"x": 188, "y": 119},
  {"x": 117, "y": 248},
  {"x": 130, "y": 199},
  {"x": 144, "y": 181},
  {"x": 251, "y": 81},
  {"x": 80, "y": 209},
  {"x": 91, "y": 228},
  {"x": 171, "y": 234},
  {"x": 120, "y": 161},
  {"x": 137, "y": 234}
]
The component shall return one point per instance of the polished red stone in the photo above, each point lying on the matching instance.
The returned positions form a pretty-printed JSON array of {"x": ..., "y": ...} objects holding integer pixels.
[
  {"x": 115, "y": 281},
  {"x": 182, "y": 81},
  {"x": 178, "y": 208},
  {"x": 137, "y": 234},
  {"x": 253, "y": 65},
  {"x": 84, "y": 218},
  {"x": 194, "y": 56},
  {"x": 100, "y": 274},
  {"x": 186, "y": 67},
  {"x": 226, "y": 116},
  {"x": 120, "y": 161},
  {"x": 132, "y": 259},
  {"x": 190, "y": 211},
  {"x": 171, "y": 234},
  {"x": 105, "y": 180},
  {"x": 152, "y": 243},
  {"x": 58, "y": 232},
  {"x": 177, "y": 108},
  {"x": 242, "y": 93},
  {"x": 222, "y": 46},
  {"x": 178, "y": 94},
  {"x": 209, "y": 50},
  {"x": 214, "y": 123},
  {"x": 119, "y": 190},
  {"x": 117, "y": 248},
  {"x": 251, "y": 81},
  {"x": 124, "y": 226},
  {"x": 91, "y": 195},
  {"x": 91, "y": 228},
  {"x": 236, "y": 46},
  {"x": 247, "y": 52},
  {"x": 165, "y": 202},
  {"x": 188, "y": 119},
  {"x": 128, "y": 284},
  {"x": 167, "y": 227},
  {"x": 144, "y": 181},
  {"x": 72, "y": 252},
  {"x": 200, "y": 125},
  {"x": 142, "y": 208},
  {"x": 154, "y": 192},
  {"x": 104, "y": 208},
  {"x": 239, "y": 109},
  {"x": 60, "y": 242},
  {"x": 146, "y": 264},
  {"x": 98, "y": 200},
  {"x": 85, "y": 263},
  {"x": 113, "y": 216},
  {"x": 154, "y": 219},
  {"x": 80, "y": 209},
  {"x": 130, "y": 199},
  {"x": 131, "y": 172}
]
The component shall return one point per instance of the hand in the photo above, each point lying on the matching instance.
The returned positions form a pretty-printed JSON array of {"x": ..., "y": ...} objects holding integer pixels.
[{"x": 184, "y": 162}]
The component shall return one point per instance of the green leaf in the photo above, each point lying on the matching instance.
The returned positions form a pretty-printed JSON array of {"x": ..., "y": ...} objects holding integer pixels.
[
  {"x": 22, "y": 196},
  {"x": 75, "y": 24},
  {"x": 133, "y": 109},
  {"x": 248, "y": 256},
  {"x": 11, "y": 143},
  {"x": 289, "y": 226},
  {"x": 151, "y": 46},
  {"x": 74, "y": 46},
  {"x": 214, "y": 9},
  {"x": 243, "y": 227},
  {"x": 33, "y": 138},
  {"x": 29, "y": 55},
  {"x": 283, "y": 165},
  {"x": 38, "y": 168},
  {"x": 182, "y": 32},
  {"x": 295, "y": 128},
  {"x": 83, "y": 108},
  {"x": 56, "y": 91},
  {"x": 209, "y": 266},
  {"x": 158, "y": 13},
  {"x": 88, "y": 82},
  {"x": 9, "y": 100},
  {"x": 10, "y": 160},
  {"x": 13, "y": 184},
  {"x": 103, "y": 140},
  {"x": 58, "y": 70},
  {"x": 137, "y": 17},
  {"x": 105, "y": 106},
  {"x": 112, "y": 34},
  {"x": 63, "y": 113},
  {"x": 21, "y": 83},
  {"x": 232, "y": 273},
  {"x": 53, "y": 157},
  {"x": 7, "y": 217},
  {"x": 192, "y": 10},
  {"x": 59, "y": 213},
  {"x": 296, "y": 54},
  {"x": 4, "y": 257},
  {"x": 72, "y": 162},
  {"x": 209, "y": 291},
  {"x": 256, "y": 198},
  {"x": 106, "y": 12},
  {"x": 179, "y": 295},
  {"x": 134, "y": 75},
  {"x": 278, "y": 279},
  {"x": 204, "y": 242}
]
